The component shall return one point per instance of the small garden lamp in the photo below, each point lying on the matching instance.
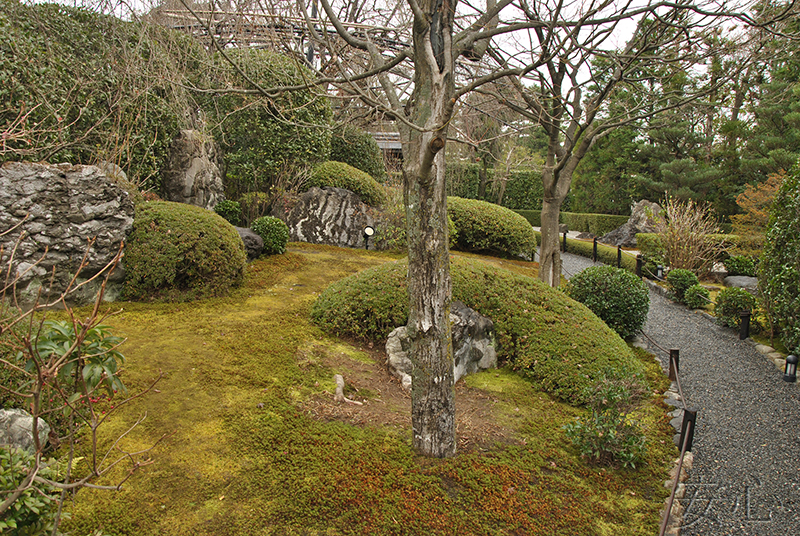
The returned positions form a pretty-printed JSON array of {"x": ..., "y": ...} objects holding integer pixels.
[
  {"x": 368, "y": 231},
  {"x": 790, "y": 374}
]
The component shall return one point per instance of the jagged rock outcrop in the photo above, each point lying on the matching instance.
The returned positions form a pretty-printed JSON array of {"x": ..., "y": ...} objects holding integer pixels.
[
  {"x": 642, "y": 220},
  {"x": 332, "y": 216},
  {"x": 66, "y": 206},
  {"x": 192, "y": 174},
  {"x": 473, "y": 345}
]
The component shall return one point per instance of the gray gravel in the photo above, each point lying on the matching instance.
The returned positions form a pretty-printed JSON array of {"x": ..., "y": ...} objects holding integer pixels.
[{"x": 746, "y": 474}]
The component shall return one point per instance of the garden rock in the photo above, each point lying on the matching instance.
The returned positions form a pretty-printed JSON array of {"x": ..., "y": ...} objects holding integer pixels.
[
  {"x": 750, "y": 284},
  {"x": 473, "y": 345},
  {"x": 332, "y": 216},
  {"x": 66, "y": 206},
  {"x": 642, "y": 220},
  {"x": 16, "y": 429},
  {"x": 253, "y": 243},
  {"x": 192, "y": 173}
]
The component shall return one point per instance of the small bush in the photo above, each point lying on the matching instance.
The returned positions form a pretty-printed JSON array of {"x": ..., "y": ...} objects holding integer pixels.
[
  {"x": 254, "y": 205},
  {"x": 179, "y": 251},
  {"x": 341, "y": 175},
  {"x": 730, "y": 301},
  {"x": 35, "y": 510},
  {"x": 274, "y": 233},
  {"x": 740, "y": 265},
  {"x": 690, "y": 236},
  {"x": 230, "y": 210},
  {"x": 781, "y": 261},
  {"x": 607, "y": 435},
  {"x": 696, "y": 297},
  {"x": 545, "y": 336},
  {"x": 680, "y": 280},
  {"x": 485, "y": 227},
  {"x": 359, "y": 149},
  {"x": 618, "y": 297}
]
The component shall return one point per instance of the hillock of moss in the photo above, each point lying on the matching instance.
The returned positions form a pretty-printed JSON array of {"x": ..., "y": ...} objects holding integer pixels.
[
  {"x": 544, "y": 335},
  {"x": 179, "y": 251},
  {"x": 341, "y": 175},
  {"x": 488, "y": 228}
]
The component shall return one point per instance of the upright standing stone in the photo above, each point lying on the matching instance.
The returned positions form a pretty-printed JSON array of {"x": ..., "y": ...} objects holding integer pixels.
[{"x": 192, "y": 174}]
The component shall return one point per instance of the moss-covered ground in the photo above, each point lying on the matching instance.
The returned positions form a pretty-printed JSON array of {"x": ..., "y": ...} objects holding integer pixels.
[{"x": 255, "y": 444}]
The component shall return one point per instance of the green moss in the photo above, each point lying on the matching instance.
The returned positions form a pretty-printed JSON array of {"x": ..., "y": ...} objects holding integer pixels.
[{"x": 244, "y": 453}]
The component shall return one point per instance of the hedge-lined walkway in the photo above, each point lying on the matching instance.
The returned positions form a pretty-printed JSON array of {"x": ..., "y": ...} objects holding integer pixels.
[{"x": 746, "y": 474}]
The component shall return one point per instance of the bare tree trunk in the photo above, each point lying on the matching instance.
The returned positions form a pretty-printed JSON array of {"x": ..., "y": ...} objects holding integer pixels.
[{"x": 550, "y": 252}]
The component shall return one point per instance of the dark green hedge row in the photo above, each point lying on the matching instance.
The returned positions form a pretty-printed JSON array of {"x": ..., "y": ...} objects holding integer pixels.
[
  {"x": 523, "y": 188},
  {"x": 597, "y": 224}
]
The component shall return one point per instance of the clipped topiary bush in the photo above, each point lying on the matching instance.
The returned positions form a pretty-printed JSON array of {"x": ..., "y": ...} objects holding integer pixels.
[
  {"x": 730, "y": 302},
  {"x": 485, "y": 227},
  {"x": 179, "y": 251},
  {"x": 547, "y": 337},
  {"x": 696, "y": 297},
  {"x": 740, "y": 265},
  {"x": 274, "y": 233},
  {"x": 780, "y": 267},
  {"x": 359, "y": 149},
  {"x": 679, "y": 280},
  {"x": 341, "y": 175},
  {"x": 618, "y": 297},
  {"x": 230, "y": 210}
]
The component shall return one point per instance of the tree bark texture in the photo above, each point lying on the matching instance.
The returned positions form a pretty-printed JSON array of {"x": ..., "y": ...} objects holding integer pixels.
[{"x": 430, "y": 109}]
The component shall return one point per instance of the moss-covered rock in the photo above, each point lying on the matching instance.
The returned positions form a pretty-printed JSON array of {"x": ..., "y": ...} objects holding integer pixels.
[
  {"x": 489, "y": 228},
  {"x": 544, "y": 335},
  {"x": 179, "y": 251},
  {"x": 341, "y": 175}
]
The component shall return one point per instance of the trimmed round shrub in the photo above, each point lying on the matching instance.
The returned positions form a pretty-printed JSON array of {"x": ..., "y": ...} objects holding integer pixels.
[
  {"x": 740, "y": 265},
  {"x": 266, "y": 139},
  {"x": 359, "y": 149},
  {"x": 696, "y": 297},
  {"x": 274, "y": 233},
  {"x": 341, "y": 175},
  {"x": 230, "y": 210},
  {"x": 780, "y": 264},
  {"x": 679, "y": 280},
  {"x": 730, "y": 302},
  {"x": 544, "y": 335},
  {"x": 618, "y": 297},
  {"x": 488, "y": 228},
  {"x": 179, "y": 251}
]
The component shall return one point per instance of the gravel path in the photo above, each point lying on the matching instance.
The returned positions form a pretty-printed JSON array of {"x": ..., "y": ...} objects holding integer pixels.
[{"x": 746, "y": 474}]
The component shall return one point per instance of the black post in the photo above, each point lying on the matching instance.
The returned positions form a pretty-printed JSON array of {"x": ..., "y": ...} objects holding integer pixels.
[
  {"x": 674, "y": 364},
  {"x": 744, "y": 325},
  {"x": 564, "y": 247},
  {"x": 639, "y": 265},
  {"x": 687, "y": 428},
  {"x": 594, "y": 249},
  {"x": 619, "y": 256}
]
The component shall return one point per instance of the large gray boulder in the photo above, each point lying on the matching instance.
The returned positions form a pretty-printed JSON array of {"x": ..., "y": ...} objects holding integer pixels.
[
  {"x": 192, "y": 174},
  {"x": 66, "y": 206},
  {"x": 332, "y": 216},
  {"x": 750, "y": 284},
  {"x": 644, "y": 215},
  {"x": 473, "y": 345},
  {"x": 16, "y": 429}
]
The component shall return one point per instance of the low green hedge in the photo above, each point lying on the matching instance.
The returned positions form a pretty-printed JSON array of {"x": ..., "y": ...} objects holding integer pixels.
[
  {"x": 605, "y": 253},
  {"x": 489, "y": 228},
  {"x": 179, "y": 251},
  {"x": 544, "y": 335},
  {"x": 597, "y": 224},
  {"x": 341, "y": 175}
]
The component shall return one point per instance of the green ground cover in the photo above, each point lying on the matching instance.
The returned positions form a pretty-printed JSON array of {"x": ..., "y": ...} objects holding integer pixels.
[{"x": 254, "y": 443}]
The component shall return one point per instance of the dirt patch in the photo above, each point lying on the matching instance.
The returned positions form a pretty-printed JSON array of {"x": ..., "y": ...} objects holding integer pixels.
[{"x": 385, "y": 404}]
